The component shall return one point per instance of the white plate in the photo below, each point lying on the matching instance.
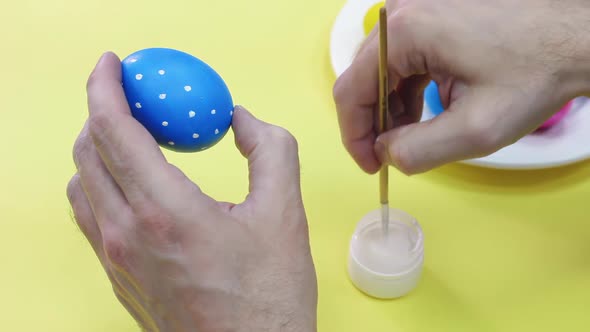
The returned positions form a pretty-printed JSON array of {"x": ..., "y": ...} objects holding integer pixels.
[{"x": 565, "y": 143}]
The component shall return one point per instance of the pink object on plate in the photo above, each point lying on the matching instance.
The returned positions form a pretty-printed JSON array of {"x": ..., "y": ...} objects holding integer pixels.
[{"x": 557, "y": 117}]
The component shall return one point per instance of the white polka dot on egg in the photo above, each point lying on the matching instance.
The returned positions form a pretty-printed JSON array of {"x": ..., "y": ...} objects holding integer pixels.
[
  {"x": 213, "y": 112},
  {"x": 188, "y": 88},
  {"x": 138, "y": 77},
  {"x": 163, "y": 96},
  {"x": 216, "y": 131},
  {"x": 195, "y": 135},
  {"x": 137, "y": 105},
  {"x": 171, "y": 143},
  {"x": 165, "y": 123},
  {"x": 161, "y": 72},
  {"x": 191, "y": 114}
]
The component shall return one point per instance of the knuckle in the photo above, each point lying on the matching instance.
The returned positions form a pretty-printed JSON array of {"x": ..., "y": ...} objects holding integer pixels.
[
  {"x": 156, "y": 224},
  {"x": 407, "y": 23},
  {"x": 349, "y": 146},
  {"x": 177, "y": 174},
  {"x": 85, "y": 226},
  {"x": 98, "y": 124},
  {"x": 101, "y": 129},
  {"x": 401, "y": 21},
  {"x": 344, "y": 85},
  {"x": 73, "y": 188},
  {"x": 283, "y": 137},
  {"x": 482, "y": 135},
  {"x": 128, "y": 175},
  {"x": 401, "y": 159},
  {"x": 81, "y": 148},
  {"x": 338, "y": 91},
  {"x": 78, "y": 213},
  {"x": 92, "y": 81},
  {"x": 116, "y": 250}
]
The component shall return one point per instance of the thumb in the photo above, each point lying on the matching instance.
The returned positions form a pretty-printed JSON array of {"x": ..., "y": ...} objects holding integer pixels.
[
  {"x": 272, "y": 154},
  {"x": 475, "y": 125}
]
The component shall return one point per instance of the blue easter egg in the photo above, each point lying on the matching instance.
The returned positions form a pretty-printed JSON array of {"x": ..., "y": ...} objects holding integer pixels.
[
  {"x": 432, "y": 99},
  {"x": 179, "y": 99}
]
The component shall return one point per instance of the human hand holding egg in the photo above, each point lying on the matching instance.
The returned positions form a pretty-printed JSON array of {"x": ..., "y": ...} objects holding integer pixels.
[
  {"x": 177, "y": 259},
  {"x": 493, "y": 95}
]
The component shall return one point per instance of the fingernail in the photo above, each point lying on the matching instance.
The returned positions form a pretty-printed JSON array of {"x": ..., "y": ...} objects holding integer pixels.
[
  {"x": 102, "y": 58},
  {"x": 242, "y": 109},
  {"x": 382, "y": 152},
  {"x": 239, "y": 108},
  {"x": 240, "y": 114}
]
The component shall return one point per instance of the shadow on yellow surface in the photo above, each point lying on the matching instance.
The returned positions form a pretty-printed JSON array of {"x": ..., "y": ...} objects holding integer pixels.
[
  {"x": 470, "y": 177},
  {"x": 445, "y": 308}
]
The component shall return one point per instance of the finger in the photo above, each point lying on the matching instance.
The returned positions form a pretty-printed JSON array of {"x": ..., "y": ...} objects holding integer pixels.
[
  {"x": 356, "y": 94},
  {"x": 369, "y": 39},
  {"x": 128, "y": 150},
  {"x": 104, "y": 195},
  {"x": 468, "y": 129},
  {"x": 273, "y": 158},
  {"x": 84, "y": 216},
  {"x": 85, "y": 219}
]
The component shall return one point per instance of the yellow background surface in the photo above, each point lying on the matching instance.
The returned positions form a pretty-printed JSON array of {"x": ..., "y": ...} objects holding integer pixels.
[{"x": 505, "y": 251}]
